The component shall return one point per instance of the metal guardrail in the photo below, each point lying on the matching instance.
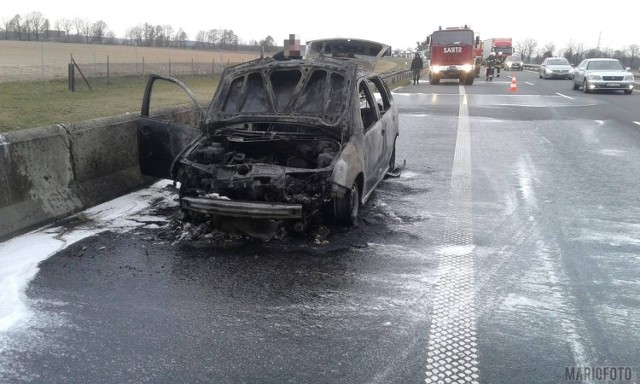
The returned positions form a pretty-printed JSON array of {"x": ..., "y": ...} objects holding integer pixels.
[{"x": 396, "y": 76}]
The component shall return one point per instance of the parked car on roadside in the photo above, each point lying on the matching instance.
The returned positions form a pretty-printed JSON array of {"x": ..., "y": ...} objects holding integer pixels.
[
  {"x": 603, "y": 74},
  {"x": 513, "y": 63},
  {"x": 555, "y": 67},
  {"x": 288, "y": 142}
]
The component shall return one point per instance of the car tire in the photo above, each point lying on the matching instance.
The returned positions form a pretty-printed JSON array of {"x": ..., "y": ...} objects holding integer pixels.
[
  {"x": 347, "y": 207},
  {"x": 628, "y": 91},
  {"x": 540, "y": 75},
  {"x": 585, "y": 86},
  {"x": 575, "y": 86}
]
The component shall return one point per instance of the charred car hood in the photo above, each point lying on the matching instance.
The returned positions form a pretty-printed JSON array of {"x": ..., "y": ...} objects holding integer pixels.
[{"x": 308, "y": 92}]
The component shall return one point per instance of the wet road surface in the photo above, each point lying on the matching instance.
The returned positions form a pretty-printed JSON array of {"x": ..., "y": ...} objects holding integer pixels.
[{"x": 508, "y": 251}]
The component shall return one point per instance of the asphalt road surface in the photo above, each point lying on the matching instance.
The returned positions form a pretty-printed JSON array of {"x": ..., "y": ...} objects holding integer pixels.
[{"x": 507, "y": 252}]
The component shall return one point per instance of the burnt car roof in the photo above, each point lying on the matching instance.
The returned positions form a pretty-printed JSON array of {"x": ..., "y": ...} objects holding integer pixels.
[{"x": 306, "y": 91}]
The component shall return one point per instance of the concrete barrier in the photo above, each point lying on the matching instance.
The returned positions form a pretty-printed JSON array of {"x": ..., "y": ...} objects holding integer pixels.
[
  {"x": 48, "y": 173},
  {"x": 36, "y": 177}
]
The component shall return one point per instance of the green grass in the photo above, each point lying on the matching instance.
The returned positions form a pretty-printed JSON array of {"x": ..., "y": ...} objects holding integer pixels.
[{"x": 41, "y": 103}]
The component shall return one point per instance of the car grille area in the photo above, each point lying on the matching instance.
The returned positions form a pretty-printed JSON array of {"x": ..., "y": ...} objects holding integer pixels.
[{"x": 613, "y": 78}]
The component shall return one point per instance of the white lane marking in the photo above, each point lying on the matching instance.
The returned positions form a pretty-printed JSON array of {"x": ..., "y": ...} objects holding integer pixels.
[
  {"x": 526, "y": 82},
  {"x": 565, "y": 96},
  {"x": 636, "y": 122},
  {"x": 452, "y": 354}
]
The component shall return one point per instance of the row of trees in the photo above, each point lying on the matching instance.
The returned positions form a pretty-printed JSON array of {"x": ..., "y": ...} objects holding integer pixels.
[
  {"x": 575, "y": 52},
  {"x": 35, "y": 26}
]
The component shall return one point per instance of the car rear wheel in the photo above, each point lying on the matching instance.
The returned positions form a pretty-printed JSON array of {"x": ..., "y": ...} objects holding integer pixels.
[
  {"x": 628, "y": 91},
  {"x": 347, "y": 207}
]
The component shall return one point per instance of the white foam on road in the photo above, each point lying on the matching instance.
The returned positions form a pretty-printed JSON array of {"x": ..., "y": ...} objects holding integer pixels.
[{"x": 20, "y": 256}]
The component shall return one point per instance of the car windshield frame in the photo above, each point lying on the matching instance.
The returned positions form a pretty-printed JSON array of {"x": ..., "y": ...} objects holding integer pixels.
[
  {"x": 558, "y": 62},
  {"x": 604, "y": 65}
]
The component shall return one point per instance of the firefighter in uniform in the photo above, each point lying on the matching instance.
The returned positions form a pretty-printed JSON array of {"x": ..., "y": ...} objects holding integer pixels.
[
  {"x": 499, "y": 63},
  {"x": 490, "y": 63}
]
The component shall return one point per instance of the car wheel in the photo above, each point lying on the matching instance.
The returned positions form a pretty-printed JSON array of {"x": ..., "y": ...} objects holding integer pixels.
[
  {"x": 628, "y": 91},
  {"x": 347, "y": 207},
  {"x": 575, "y": 85},
  {"x": 540, "y": 75},
  {"x": 585, "y": 86}
]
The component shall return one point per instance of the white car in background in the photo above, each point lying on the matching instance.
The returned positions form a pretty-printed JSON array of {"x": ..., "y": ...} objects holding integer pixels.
[
  {"x": 603, "y": 74},
  {"x": 555, "y": 67}
]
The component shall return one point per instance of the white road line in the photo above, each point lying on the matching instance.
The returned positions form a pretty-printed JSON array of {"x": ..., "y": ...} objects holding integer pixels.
[
  {"x": 452, "y": 354},
  {"x": 526, "y": 82},
  {"x": 636, "y": 122},
  {"x": 565, "y": 96}
]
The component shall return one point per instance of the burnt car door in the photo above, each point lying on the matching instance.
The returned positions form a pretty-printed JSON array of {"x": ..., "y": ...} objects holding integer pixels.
[
  {"x": 388, "y": 118},
  {"x": 164, "y": 133},
  {"x": 375, "y": 141}
]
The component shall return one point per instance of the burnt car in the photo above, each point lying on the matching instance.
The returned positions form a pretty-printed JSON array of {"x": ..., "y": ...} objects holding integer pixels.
[{"x": 284, "y": 142}]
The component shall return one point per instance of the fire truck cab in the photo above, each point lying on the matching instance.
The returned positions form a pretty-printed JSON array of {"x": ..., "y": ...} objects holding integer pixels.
[{"x": 453, "y": 54}]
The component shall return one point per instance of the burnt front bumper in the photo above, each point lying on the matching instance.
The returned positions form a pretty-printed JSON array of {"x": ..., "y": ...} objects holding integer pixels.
[{"x": 245, "y": 209}]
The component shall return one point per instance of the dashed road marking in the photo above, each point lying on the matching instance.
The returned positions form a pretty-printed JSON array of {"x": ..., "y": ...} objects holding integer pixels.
[
  {"x": 526, "y": 82},
  {"x": 565, "y": 96},
  {"x": 452, "y": 355},
  {"x": 636, "y": 122}
]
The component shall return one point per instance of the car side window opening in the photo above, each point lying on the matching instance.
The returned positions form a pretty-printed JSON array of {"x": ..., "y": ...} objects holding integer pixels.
[
  {"x": 368, "y": 107},
  {"x": 381, "y": 94}
]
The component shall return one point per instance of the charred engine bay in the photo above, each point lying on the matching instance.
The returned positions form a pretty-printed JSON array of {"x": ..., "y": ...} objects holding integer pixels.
[{"x": 262, "y": 163}]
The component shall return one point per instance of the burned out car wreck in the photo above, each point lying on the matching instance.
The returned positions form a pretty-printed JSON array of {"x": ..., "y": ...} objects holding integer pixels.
[{"x": 285, "y": 143}]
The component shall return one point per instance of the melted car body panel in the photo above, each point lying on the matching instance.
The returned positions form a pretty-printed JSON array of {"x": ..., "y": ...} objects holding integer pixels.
[{"x": 282, "y": 140}]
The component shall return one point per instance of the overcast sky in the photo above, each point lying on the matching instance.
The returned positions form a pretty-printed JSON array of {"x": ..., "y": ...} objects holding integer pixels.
[{"x": 400, "y": 24}]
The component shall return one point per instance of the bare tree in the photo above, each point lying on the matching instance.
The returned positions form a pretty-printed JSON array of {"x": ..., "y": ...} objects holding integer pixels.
[
  {"x": 99, "y": 30},
  {"x": 7, "y": 27},
  {"x": 201, "y": 38},
  {"x": 135, "y": 35},
  {"x": 35, "y": 22},
  {"x": 213, "y": 37},
  {"x": 161, "y": 38},
  {"x": 633, "y": 52},
  {"x": 149, "y": 33},
  {"x": 181, "y": 38},
  {"x": 168, "y": 32},
  {"x": 65, "y": 25},
  {"x": 527, "y": 48},
  {"x": 267, "y": 44},
  {"x": 548, "y": 50},
  {"x": 228, "y": 39}
]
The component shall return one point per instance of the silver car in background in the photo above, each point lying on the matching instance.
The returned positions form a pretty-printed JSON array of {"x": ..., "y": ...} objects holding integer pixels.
[
  {"x": 601, "y": 73},
  {"x": 555, "y": 67}
]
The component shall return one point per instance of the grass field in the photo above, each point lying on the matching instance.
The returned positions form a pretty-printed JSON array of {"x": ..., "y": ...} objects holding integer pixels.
[{"x": 46, "y": 100}]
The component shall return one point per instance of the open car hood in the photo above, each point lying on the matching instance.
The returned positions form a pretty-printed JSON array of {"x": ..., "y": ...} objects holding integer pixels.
[
  {"x": 309, "y": 92},
  {"x": 364, "y": 53}
]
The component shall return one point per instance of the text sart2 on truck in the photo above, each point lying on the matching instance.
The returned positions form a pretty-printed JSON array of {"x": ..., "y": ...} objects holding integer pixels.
[{"x": 452, "y": 53}]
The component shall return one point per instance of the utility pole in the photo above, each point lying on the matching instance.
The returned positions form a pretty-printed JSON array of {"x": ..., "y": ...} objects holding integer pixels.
[{"x": 599, "y": 37}]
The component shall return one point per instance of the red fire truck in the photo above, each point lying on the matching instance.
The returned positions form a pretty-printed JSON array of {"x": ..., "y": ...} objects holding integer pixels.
[
  {"x": 453, "y": 54},
  {"x": 499, "y": 46}
]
